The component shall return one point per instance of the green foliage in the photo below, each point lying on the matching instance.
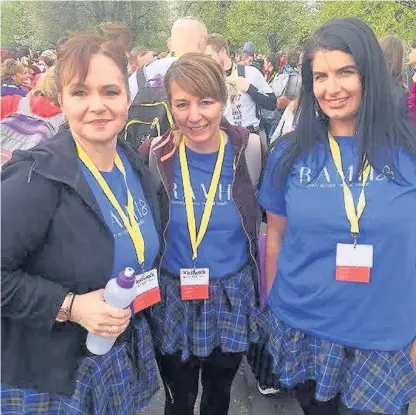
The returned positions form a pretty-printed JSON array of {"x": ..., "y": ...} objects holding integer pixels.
[
  {"x": 241, "y": 21},
  {"x": 289, "y": 21},
  {"x": 384, "y": 17},
  {"x": 294, "y": 21},
  {"x": 40, "y": 23},
  {"x": 15, "y": 27}
]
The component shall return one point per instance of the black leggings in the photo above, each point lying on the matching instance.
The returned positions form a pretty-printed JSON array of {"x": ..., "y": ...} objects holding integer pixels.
[
  {"x": 181, "y": 379},
  {"x": 305, "y": 395}
]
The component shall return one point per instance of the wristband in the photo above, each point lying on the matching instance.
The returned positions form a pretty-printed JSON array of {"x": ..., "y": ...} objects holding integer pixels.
[{"x": 64, "y": 313}]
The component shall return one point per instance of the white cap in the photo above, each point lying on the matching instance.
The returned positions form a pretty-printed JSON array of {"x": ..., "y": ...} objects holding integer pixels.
[{"x": 128, "y": 272}]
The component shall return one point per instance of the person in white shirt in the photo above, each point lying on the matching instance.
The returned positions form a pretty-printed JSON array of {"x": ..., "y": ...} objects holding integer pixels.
[
  {"x": 247, "y": 93},
  {"x": 188, "y": 34},
  {"x": 287, "y": 122}
]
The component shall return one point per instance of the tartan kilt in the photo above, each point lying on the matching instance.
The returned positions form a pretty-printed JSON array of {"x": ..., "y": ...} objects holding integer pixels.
[
  {"x": 366, "y": 380},
  {"x": 111, "y": 384},
  {"x": 227, "y": 320}
]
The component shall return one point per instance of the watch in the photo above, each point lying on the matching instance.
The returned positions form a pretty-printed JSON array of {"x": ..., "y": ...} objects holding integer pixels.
[{"x": 64, "y": 313}]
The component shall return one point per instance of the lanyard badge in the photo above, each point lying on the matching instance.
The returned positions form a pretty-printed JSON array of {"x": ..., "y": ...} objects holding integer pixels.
[
  {"x": 353, "y": 261},
  {"x": 195, "y": 281},
  {"x": 146, "y": 291}
]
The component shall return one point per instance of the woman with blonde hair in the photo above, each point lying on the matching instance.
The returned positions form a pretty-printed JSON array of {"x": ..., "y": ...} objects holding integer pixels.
[
  {"x": 209, "y": 275},
  {"x": 15, "y": 79},
  {"x": 30, "y": 119}
]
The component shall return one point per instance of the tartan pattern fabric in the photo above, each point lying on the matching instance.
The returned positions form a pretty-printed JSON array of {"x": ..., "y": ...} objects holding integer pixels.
[
  {"x": 367, "y": 380},
  {"x": 110, "y": 384},
  {"x": 195, "y": 328}
]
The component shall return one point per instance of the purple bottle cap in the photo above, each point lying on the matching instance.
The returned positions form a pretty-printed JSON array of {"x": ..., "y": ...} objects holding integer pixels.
[{"x": 125, "y": 279}]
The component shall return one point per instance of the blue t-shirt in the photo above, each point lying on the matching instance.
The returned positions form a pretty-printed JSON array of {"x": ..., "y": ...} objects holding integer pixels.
[
  {"x": 305, "y": 295},
  {"x": 124, "y": 251},
  {"x": 224, "y": 248}
]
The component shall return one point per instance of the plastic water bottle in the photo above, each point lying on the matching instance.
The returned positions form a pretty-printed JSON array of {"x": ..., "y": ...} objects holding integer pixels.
[{"x": 120, "y": 293}]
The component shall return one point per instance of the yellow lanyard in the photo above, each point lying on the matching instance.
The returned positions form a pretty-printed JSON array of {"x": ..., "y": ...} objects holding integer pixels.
[
  {"x": 187, "y": 189},
  {"x": 352, "y": 214},
  {"x": 129, "y": 222}
]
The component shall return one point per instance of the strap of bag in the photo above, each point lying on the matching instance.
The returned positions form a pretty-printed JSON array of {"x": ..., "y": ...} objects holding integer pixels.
[
  {"x": 141, "y": 84},
  {"x": 287, "y": 85},
  {"x": 141, "y": 78},
  {"x": 154, "y": 173},
  {"x": 241, "y": 70},
  {"x": 254, "y": 159}
]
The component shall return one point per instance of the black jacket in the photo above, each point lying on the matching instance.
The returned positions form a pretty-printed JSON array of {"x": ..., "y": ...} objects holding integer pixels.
[{"x": 54, "y": 240}]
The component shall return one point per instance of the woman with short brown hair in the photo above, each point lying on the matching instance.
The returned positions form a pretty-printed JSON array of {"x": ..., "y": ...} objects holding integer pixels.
[
  {"x": 209, "y": 276},
  {"x": 65, "y": 232}
]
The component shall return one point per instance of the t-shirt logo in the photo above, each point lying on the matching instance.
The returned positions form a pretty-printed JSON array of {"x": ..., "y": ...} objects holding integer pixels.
[
  {"x": 222, "y": 198},
  {"x": 141, "y": 210},
  {"x": 388, "y": 172},
  {"x": 331, "y": 178},
  {"x": 236, "y": 112}
]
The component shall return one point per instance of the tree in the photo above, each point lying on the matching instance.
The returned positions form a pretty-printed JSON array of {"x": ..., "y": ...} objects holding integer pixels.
[
  {"x": 41, "y": 23},
  {"x": 15, "y": 29},
  {"x": 240, "y": 21},
  {"x": 384, "y": 17}
]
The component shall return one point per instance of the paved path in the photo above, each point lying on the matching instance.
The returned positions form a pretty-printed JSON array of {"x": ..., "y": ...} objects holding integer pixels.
[{"x": 245, "y": 399}]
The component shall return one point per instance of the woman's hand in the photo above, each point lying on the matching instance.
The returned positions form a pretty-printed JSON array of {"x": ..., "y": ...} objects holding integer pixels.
[
  {"x": 94, "y": 314},
  {"x": 282, "y": 102}
]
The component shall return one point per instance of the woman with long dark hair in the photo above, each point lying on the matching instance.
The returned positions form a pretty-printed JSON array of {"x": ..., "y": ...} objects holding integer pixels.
[{"x": 340, "y": 196}]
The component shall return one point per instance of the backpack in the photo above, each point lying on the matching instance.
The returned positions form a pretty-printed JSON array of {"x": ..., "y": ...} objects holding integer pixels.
[
  {"x": 284, "y": 84},
  {"x": 149, "y": 115},
  {"x": 22, "y": 132},
  {"x": 287, "y": 84}
]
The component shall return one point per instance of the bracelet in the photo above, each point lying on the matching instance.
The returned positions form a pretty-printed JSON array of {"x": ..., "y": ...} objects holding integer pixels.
[
  {"x": 64, "y": 312},
  {"x": 70, "y": 306}
]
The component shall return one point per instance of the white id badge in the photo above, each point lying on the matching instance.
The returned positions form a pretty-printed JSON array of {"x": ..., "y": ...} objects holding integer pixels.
[
  {"x": 148, "y": 292},
  {"x": 194, "y": 284},
  {"x": 354, "y": 263}
]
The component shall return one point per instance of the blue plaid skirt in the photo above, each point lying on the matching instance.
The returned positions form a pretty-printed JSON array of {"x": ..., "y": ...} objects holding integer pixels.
[
  {"x": 228, "y": 319},
  {"x": 367, "y": 380},
  {"x": 110, "y": 384}
]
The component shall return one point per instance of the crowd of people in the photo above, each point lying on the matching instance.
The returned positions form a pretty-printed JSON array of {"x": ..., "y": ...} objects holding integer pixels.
[{"x": 167, "y": 164}]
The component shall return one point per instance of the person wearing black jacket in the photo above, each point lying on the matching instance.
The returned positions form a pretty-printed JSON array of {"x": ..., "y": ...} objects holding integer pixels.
[{"x": 76, "y": 211}]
